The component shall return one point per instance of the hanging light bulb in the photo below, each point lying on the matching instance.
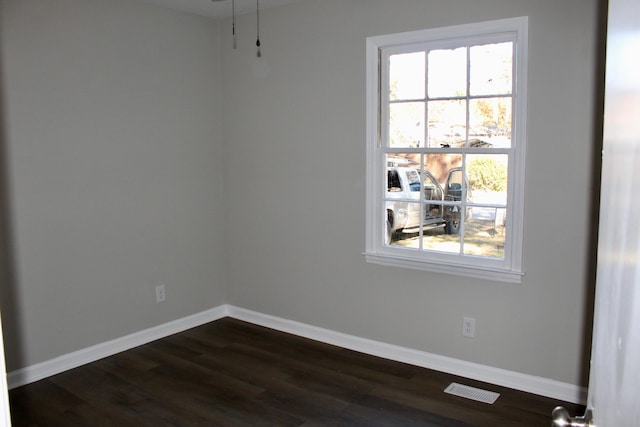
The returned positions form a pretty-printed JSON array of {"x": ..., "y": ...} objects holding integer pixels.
[{"x": 259, "y": 53}]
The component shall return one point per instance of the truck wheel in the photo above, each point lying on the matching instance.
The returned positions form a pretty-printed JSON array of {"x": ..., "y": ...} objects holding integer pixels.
[{"x": 452, "y": 227}]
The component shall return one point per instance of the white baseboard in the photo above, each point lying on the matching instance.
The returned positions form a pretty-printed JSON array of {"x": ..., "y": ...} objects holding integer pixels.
[
  {"x": 515, "y": 380},
  {"x": 91, "y": 354},
  {"x": 528, "y": 383}
]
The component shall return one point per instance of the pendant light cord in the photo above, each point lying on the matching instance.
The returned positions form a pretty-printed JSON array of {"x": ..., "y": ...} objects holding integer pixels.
[{"x": 233, "y": 22}]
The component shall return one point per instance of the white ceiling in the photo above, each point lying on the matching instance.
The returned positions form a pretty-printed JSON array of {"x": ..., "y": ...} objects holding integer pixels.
[{"x": 218, "y": 9}]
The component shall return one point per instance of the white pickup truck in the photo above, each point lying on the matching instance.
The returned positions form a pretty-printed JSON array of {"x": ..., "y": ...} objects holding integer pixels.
[{"x": 405, "y": 212}]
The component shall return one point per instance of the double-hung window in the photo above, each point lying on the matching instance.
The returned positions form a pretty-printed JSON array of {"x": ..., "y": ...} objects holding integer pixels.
[{"x": 446, "y": 131}]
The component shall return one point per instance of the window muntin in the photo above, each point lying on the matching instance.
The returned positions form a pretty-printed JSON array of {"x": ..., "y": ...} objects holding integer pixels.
[{"x": 446, "y": 110}]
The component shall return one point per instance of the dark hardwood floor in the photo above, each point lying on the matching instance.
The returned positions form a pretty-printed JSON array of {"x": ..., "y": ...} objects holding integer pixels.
[{"x": 232, "y": 373}]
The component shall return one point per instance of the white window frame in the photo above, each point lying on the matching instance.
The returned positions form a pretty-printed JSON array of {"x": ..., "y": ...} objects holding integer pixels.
[{"x": 508, "y": 269}]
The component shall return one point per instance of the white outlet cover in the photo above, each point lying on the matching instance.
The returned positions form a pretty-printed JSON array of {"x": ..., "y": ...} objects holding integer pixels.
[
  {"x": 160, "y": 293},
  {"x": 469, "y": 327}
]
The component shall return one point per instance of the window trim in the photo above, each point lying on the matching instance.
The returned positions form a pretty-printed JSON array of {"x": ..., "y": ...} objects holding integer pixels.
[{"x": 509, "y": 270}]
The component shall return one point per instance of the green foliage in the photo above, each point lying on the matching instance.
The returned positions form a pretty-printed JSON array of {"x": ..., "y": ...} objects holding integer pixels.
[{"x": 487, "y": 175}]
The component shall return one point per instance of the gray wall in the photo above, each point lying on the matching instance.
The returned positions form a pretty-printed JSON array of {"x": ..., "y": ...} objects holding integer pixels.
[
  {"x": 294, "y": 150},
  {"x": 114, "y": 164},
  {"x": 120, "y": 132}
]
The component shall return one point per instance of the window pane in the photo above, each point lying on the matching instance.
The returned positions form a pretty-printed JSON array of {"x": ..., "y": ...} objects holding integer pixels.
[
  {"x": 487, "y": 174},
  {"x": 433, "y": 195},
  {"x": 402, "y": 200},
  {"x": 438, "y": 239},
  {"x": 403, "y": 176},
  {"x": 441, "y": 166},
  {"x": 490, "y": 122},
  {"x": 447, "y": 123},
  {"x": 406, "y": 125},
  {"x": 406, "y": 76},
  {"x": 491, "y": 68},
  {"x": 403, "y": 222},
  {"x": 485, "y": 233},
  {"x": 447, "y": 73},
  {"x": 442, "y": 177}
]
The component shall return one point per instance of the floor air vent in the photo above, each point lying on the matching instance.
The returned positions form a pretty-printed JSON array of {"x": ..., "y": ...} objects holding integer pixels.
[{"x": 473, "y": 393}]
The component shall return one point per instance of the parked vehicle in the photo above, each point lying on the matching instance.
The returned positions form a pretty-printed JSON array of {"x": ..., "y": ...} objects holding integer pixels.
[{"x": 405, "y": 212}]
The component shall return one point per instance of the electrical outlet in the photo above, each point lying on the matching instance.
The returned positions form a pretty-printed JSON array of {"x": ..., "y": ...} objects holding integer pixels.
[
  {"x": 160, "y": 294},
  {"x": 468, "y": 327}
]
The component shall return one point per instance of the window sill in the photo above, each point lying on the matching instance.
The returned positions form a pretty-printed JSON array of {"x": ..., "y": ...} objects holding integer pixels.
[{"x": 506, "y": 276}]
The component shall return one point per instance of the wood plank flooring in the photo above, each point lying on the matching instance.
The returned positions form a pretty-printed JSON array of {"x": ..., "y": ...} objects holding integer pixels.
[{"x": 232, "y": 373}]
